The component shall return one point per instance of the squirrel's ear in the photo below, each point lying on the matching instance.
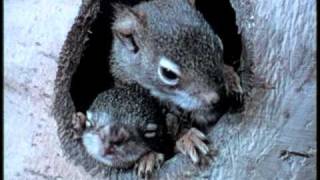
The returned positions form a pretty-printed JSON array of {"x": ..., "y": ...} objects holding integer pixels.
[
  {"x": 127, "y": 20},
  {"x": 192, "y": 2}
]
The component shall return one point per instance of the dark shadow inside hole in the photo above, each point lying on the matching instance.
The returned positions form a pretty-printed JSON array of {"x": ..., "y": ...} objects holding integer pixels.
[
  {"x": 221, "y": 17},
  {"x": 93, "y": 73}
]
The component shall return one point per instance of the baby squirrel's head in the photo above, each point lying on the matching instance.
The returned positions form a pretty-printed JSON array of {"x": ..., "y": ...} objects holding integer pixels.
[
  {"x": 122, "y": 124},
  {"x": 168, "y": 47},
  {"x": 112, "y": 143}
]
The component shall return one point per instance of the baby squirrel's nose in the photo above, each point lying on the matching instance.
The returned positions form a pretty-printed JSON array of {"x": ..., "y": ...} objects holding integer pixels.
[
  {"x": 113, "y": 136},
  {"x": 210, "y": 97},
  {"x": 109, "y": 150},
  {"x": 117, "y": 134}
]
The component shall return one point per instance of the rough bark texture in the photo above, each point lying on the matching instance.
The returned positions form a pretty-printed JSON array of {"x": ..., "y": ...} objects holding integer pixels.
[{"x": 274, "y": 138}]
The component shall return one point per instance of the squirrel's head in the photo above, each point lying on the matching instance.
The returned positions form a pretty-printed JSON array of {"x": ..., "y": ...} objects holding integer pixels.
[
  {"x": 122, "y": 124},
  {"x": 110, "y": 142},
  {"x": 168, "y": 47}
]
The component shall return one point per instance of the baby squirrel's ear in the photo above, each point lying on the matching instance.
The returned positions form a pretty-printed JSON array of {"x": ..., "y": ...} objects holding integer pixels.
[{"x": 127, "y": 20}]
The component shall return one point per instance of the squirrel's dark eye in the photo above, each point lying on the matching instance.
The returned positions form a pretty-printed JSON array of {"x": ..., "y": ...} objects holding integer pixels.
[{"x": 168, "y": 72}]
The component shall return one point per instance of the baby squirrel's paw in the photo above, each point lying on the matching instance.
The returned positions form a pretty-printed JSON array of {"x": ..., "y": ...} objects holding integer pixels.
[
  {"x": 78, "y": 123},
  {"x": 148, "y": 163},
  {"x": 192, "y": 144}
]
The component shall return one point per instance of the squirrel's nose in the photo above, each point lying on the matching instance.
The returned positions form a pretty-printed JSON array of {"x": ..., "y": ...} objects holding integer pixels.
[
  {"x": 210, "y": 97},
  {"x": 117, "y": 134},
  {"x": 109, "y": 150}
]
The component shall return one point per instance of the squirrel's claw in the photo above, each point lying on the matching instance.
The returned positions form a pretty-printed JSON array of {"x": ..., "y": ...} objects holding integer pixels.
[
  {"x": 192, "y": 144},
  {"x": 148, "y": 163}
]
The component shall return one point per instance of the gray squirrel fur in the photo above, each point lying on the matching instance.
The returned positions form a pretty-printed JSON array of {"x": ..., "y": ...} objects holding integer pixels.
[
  {"x": 167, "y": 47},
  {"x": 124, "y": 128}
]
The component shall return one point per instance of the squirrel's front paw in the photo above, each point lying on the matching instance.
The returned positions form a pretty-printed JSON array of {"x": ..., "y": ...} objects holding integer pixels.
[
  {"x": 192, "y": 144},
  {"x": 148, "y": 163},
  {"x": 78, "y": 123}
]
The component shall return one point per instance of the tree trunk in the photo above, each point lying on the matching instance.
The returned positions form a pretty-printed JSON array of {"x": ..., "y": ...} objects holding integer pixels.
[{"x": 274, "y": 138}]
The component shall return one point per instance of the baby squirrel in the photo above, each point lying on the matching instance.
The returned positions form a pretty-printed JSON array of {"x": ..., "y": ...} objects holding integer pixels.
[
  {"x": 167, "y": 47},
  {"x": 123, "y": 127}
]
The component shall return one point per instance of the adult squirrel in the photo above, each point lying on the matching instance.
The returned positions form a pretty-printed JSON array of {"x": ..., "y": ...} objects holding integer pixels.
[{"x": 167, "y": 47}]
